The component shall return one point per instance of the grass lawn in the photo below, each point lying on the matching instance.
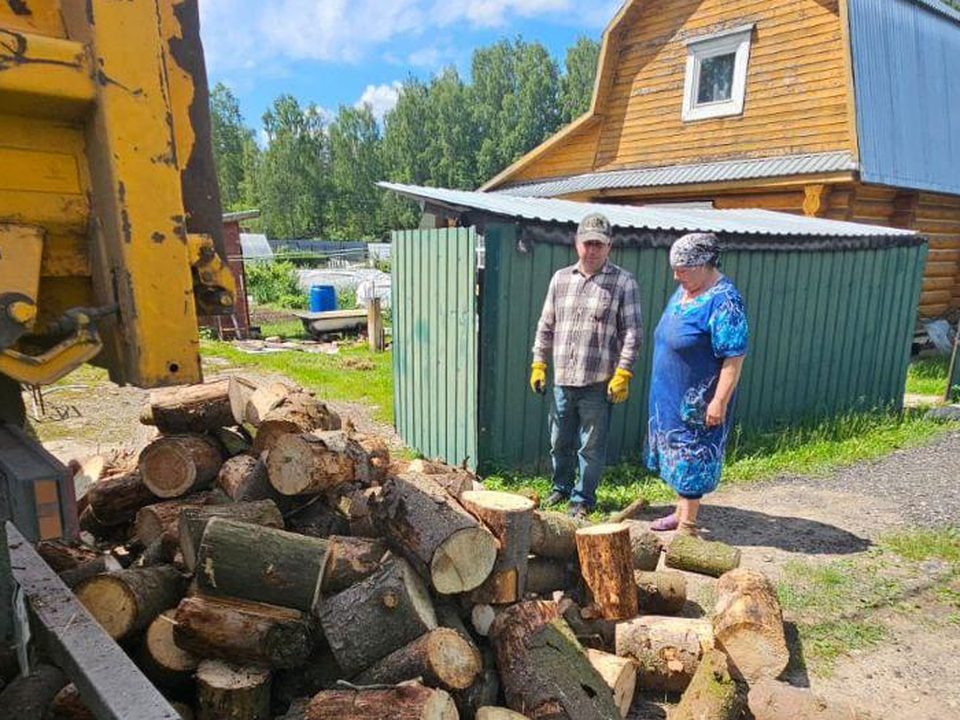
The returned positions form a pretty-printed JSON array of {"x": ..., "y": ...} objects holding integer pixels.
[
  {"x": 928, "y": 376},
  {"x": 354, "y": 373}
]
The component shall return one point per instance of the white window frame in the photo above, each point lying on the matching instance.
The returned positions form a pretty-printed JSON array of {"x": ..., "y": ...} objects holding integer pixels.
[{"x": 735, "y": 40}]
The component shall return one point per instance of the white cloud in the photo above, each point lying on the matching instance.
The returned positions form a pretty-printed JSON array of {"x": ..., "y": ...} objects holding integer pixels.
[{"x": 381, "y": 98}]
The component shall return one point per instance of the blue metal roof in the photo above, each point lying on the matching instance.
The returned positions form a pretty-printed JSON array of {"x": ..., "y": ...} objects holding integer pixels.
[
  {"x": 739, "y": 169},
  {"x": 681, "y": 219}
]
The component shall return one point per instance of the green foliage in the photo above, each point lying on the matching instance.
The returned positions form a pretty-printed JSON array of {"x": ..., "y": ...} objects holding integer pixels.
[
  {"x": 924, "y": 544},
  {"x": 230, "y": 136},
  {"x": 928, "y": 376},
  {"x": 276, "y": 283},
  {"x": 355, "y": 166},
  {"x": 576, "y": 83}
]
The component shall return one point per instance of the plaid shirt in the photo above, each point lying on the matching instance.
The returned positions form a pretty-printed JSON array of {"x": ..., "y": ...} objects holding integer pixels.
[{"x": 592, "y": 325}]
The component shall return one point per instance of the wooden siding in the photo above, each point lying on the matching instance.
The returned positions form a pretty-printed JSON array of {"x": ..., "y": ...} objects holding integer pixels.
[{"x": 572, "y": 157}]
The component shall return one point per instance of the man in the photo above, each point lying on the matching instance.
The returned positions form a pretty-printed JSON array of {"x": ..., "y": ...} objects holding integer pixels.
[{"x": 591, "y": 325}]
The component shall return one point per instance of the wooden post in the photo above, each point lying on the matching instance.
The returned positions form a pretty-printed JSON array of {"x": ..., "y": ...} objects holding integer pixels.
[{"x": 375, "y": 325}]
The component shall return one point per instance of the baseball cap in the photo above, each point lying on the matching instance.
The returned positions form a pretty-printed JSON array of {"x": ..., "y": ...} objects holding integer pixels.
[{"x": 594, "y": 226}]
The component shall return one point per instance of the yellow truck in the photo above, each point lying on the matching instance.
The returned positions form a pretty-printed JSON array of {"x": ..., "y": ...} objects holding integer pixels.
[{"x": 110, "y": 246}]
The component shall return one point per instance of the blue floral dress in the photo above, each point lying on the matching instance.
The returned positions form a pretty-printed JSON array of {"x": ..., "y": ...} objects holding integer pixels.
[{"x": 690, "y": 344}]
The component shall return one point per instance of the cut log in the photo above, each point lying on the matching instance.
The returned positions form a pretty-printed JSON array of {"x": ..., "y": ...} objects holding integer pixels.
[
  {"x": 629, "y": 512},
  {"x": 239, "y": 392},
  {"x": 314, "y": 517},
  {"x": 126, "y": 602},
  {"x": 448, "y": 616},
  {"x": 661, "y": 593},
  {"x": 359, "y": 512},
  {"x": 772, "y": 700},
  {"x": 667, "y": 649},
  {"x": 115, "y": 500},
  {"x": 193, "y": 520},
  {"x": 176, "y": 465},
  {"x": 310, "y": 463},
  {"x": 646, "y": 547},
  {"x": 701, "y": 556},
  {"x": 297, "y": 413},
  {"x": 190, "y": 408},
  {"x": 162, "y": 519},
  {"x": 510, "y": 518},
  {"x": 264, "y": 399},
  {"x": 748, "y": 625},
  {"x": 409, "y": 701},
  {"x": 97, "y": 530},
  {"x": 244, "y": 478},
  {"x": 27, "y": 698},
  {"x": 712, "y": 693},
  {"x": 554, "y": 535},
  {"x": 456, "y": 482},
  {"x": 60, "y": 555},
  {"x": 544, "y": 670},
  {"x": 164, "y": 662},
  {"x": 619, "y": 673},
  {"x": 161, "y": 551},
  {"x": 491, "y": 712},
  {"x": 297, "y": 710},
  {"x": 592, "y": 632},
  {"x": 546, "y": 575},
  {"x": 319, "y": 672},
  {"x": 481, "y": 617},
  {"x": 263, "y": 564},
  {"x": 232, "y": 692},
  {"x": 350, "y": 560},
  {"x": 428, "y": 527},
  {"x": 68, "y": 705},
  {"x": 98, "y": 566},
  {"x": 441, "y": 658},
  {"x": 232, "y": 441},
  {"x": 384, "y": 612},
  {"x": 483, "y": 693},
  {"x": 245, "y": 633},
  {"x": 606, "y": 563}
]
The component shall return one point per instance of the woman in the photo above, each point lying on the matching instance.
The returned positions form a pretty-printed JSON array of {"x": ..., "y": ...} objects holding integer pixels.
[{"x": 699, "y": 347}]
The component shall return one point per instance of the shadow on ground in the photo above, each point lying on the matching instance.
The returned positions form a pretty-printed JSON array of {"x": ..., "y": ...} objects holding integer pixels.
[{"x": 748, "y": 528}]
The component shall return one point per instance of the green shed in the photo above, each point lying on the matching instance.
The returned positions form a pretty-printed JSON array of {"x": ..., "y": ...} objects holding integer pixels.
[{"x": 831, "y": 307}]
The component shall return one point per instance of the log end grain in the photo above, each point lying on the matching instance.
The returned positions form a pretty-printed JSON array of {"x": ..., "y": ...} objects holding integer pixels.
[
  {"x": 171, "y": 662},
  {"x": 496, "y": 501},
  {"x": 455, "y": 662},
  {"x": 463, "y": 561},
  {"x": 111, "y": 603}
]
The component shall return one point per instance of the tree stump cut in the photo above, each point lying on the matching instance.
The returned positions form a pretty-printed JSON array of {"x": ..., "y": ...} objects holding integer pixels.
[
  {"x": 126, "y": 602},
  {"x": 701, "y": 556},
  {"x": 189, "y": 409},
  {"x": 667, "y": 649},
  {"x": 232, "y": 692},
  {"x": 369, "y": 620},
  {"x": 544, "y": 670},
  {"x": 176, "y": 465},
  {"x": 441, "y": 658},
  {"x": 428, "y": 527},
  {"x": 409, "y": 701},
  {"x": 192, "y": 521},
  {"x": 245, "y": 633},
  {"x": 748, "y": 625},
  {"x": 510, "y": 518},
  {"x": 712, "y": 693},
  {"x": 606, "y": 563}
]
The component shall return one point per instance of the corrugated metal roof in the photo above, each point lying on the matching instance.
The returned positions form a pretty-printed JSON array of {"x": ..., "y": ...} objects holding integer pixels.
[
  {"x": 683, "y": 219},
  {"x": 941, "y": 7},
  {"x": 687, "y": 174}
]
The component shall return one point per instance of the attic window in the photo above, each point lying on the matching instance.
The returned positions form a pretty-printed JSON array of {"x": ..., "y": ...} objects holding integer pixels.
[{"x": 716, "y": 77}]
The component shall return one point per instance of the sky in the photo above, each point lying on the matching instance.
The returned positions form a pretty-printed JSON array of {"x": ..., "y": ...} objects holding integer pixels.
[{"x": 344, "y": 52}]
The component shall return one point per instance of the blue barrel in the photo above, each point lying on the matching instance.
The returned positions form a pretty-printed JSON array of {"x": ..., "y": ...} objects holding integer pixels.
[{"x": 323, "y": 298}]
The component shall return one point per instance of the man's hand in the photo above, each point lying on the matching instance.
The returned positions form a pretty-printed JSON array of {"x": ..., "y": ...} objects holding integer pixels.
[
  {"x": 538, "y": 377},
  {"x": 716, "y": 412},
  {"x": 618, "y": 389}
]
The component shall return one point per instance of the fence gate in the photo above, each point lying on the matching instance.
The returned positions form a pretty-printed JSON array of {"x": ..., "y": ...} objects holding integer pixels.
[{"x": 435, "y": 342}]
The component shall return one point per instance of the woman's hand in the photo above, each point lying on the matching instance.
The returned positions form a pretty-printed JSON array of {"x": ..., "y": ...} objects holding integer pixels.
[{"x": 716, "y": 412}]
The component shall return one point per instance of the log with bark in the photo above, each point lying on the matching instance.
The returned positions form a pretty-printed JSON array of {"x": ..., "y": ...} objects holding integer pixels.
[
  {"x": 646, "y": 547},
  {"x": 772, "y": 700},
  {"x": 189, "y": 409},
  {"x": 261, "y": 400},
  {"x": 245, "y": 633},
  {"x": 629, "y": 512},
  {"x": 547, "y": 575},
  {"x": 126, "y": 602},
  {"x": 456, "y": 482},
  {"x": 350, "y": 560},
  {"x": 318, "y": 462},
  {"x": 68, "y": 705},
  {"x": 244, "y": 478},
  {"x": 27, "y": 698},
  {"x": 510, "y": 518},
  {"x": 100, "y": 565},
  {"x": 239, "y": 392},
  {"x": 553, "y": 535},
  {"x": 544, "y": 670},
  {"x": 712, "y": 693},
  {"x": 263, "y": 564},
  {"x": 428, "y": 527},
  {"x": 441, "y": 658},
  {"x": 176, "y": 465},
  {"x": 360, "y": 512},
  {"x": 660, "y": 593},
  {"x": 232, "y": 441},
  {"x": 667, "y": 649},
  {"x": 619, "y": 673},
  {"x": 408, "y": 701},
  {"x": 192, "y": 521},
  {"x": 748, "y": 625},
  {"x": 116, "y": 499},
  {"x": 380, "y": 614},
  {"x": 592, "y": 632},
  {"x": 484, "y": 692},
  {"x": 162, "y": 519},
  {"x": 312, "y": 516},
  {"x": 61, "y": 555},
  {"x": 606, "y": 564},
  {"x": 492, "y": 712},
  {"x": 162, "y": 659},
  {"x": 696, "y": 555},
  {"x": 297, "y": 413},
  {"x": 232, "y": 692},
  {"x": 319, "y": 672}
]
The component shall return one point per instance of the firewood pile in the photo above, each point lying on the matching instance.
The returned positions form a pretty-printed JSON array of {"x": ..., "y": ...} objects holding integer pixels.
[{"x": 262, "y": 559}]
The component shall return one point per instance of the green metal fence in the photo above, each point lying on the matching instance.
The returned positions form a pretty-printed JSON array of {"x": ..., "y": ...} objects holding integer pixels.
[{"x": 435, "y": 341}]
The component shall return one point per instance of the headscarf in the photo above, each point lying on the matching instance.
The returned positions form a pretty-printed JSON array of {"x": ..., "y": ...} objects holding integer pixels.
[{"x": 695, "y": 249}]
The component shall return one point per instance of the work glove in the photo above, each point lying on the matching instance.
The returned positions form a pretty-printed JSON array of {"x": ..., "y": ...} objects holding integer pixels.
[
  {"x": 538, "y": 377},
  {"x": 619, "y": 386}
]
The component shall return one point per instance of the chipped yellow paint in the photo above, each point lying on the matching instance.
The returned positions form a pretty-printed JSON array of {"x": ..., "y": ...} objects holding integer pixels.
[
  {"x": 21, "y": 248},
  {"x": 43, "y": 76}
]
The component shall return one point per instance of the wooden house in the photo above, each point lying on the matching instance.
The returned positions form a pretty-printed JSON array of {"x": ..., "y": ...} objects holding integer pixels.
[{"x": 842, "y": 109}]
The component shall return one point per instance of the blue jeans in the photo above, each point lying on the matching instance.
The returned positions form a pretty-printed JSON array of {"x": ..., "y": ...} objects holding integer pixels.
[{"x": 579, "y": 421}]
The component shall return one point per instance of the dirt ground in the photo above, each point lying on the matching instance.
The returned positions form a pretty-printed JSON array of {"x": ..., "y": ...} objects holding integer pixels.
[{"x": 913, "y": 672}]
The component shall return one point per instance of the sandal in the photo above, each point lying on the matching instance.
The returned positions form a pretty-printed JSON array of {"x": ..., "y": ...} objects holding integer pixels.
[{"x": 665, "y": 524}]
